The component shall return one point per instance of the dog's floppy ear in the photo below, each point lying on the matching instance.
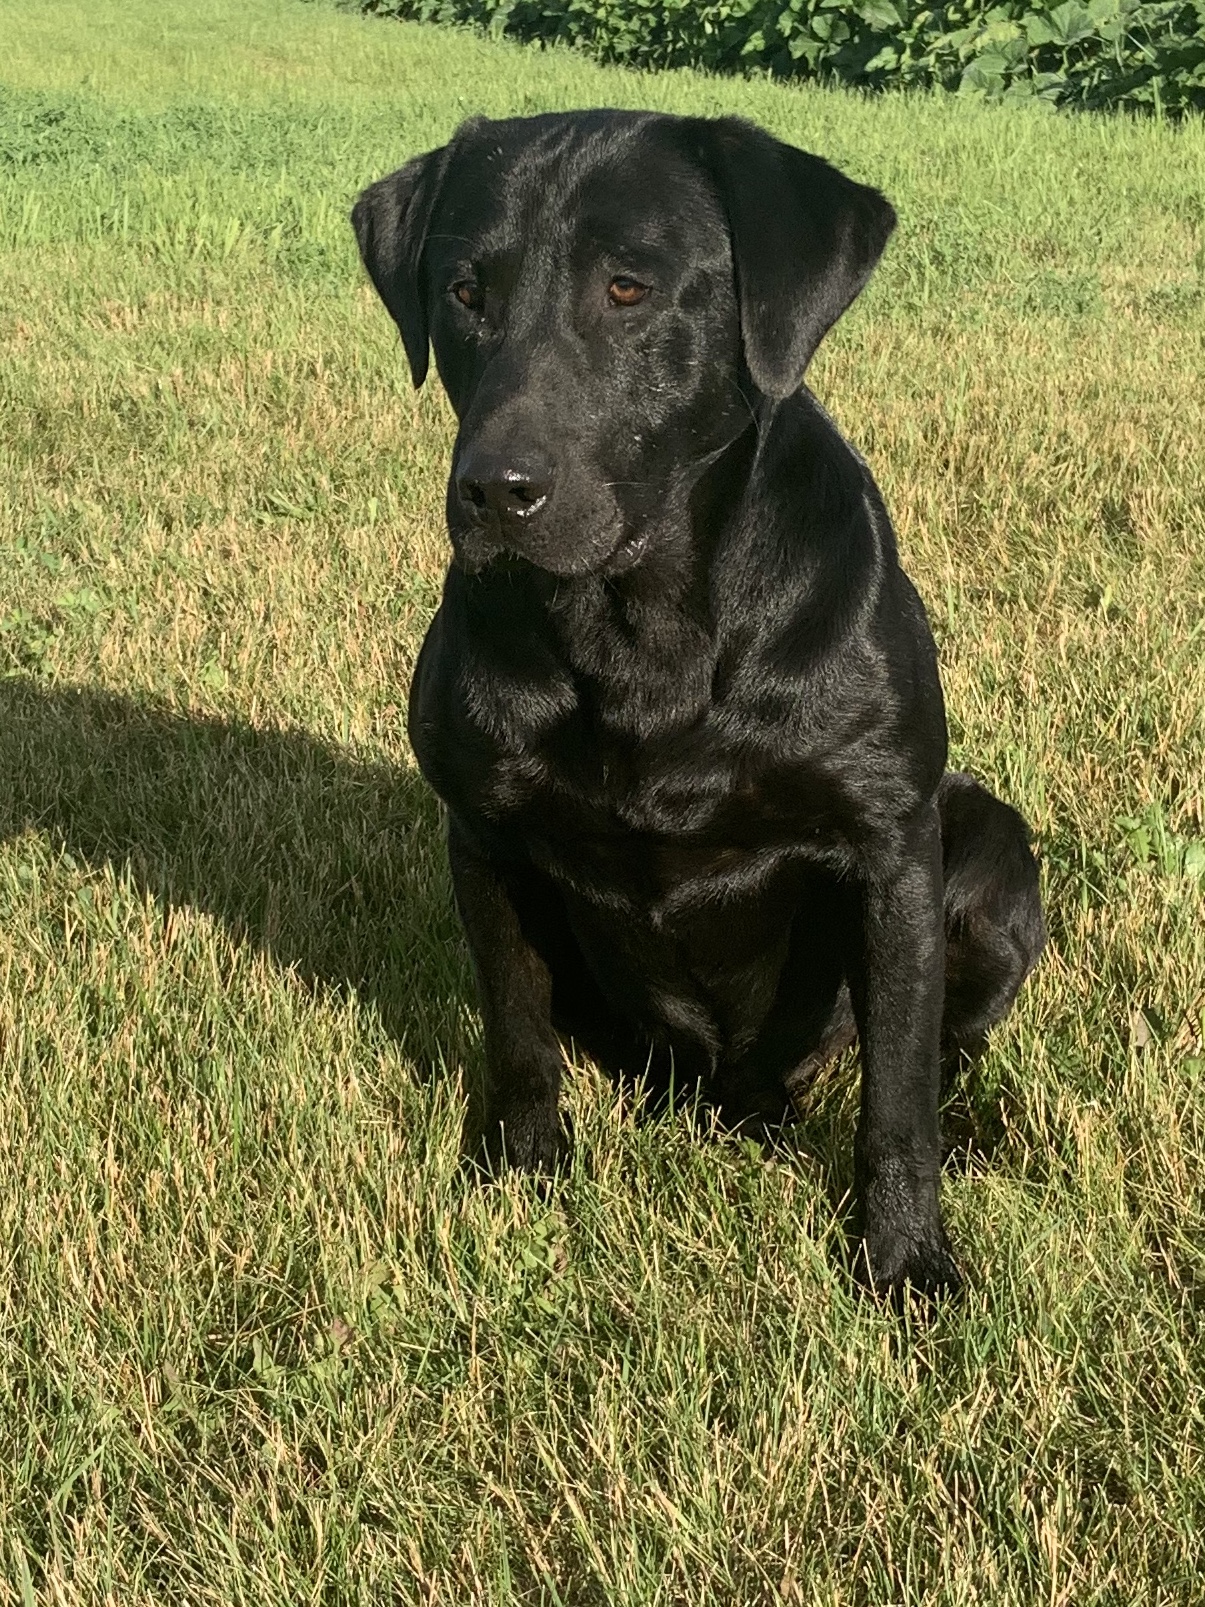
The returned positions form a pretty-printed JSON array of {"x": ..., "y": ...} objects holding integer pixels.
[
  {"x": 391, "y": 219},
  {"x": 804, "y": 241}
]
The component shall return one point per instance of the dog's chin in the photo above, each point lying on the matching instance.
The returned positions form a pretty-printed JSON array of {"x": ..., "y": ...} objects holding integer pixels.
[{"x": 612, "y": 551}]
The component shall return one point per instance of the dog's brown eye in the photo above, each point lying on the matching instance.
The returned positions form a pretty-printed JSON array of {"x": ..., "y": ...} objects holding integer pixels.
[
  {"x": 626, "y": 292},
  {"x": 468, "y": 293}
]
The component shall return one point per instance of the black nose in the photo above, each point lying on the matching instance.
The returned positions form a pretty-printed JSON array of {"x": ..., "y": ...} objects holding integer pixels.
[{"x": 511, "y": 487}]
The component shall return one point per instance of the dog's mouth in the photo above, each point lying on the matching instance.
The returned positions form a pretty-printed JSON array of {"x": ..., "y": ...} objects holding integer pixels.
[
  {"x": 613, "y": 551},
  {"x": 628, "y": 553}
]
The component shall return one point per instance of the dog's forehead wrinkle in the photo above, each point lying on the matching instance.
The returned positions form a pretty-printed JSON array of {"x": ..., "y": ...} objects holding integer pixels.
[
  {"x": 466, "y": 257},
  {"x": 675, "y": 220}
]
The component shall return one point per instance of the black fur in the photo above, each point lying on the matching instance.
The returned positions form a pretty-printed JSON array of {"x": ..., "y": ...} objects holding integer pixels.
[{"x": 679, "y": 698}]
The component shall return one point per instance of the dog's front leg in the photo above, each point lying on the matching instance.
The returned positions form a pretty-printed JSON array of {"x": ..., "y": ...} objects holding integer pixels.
[
  {"x": 898, "y": 1002},
  {"x": 516, "y": 1117}
]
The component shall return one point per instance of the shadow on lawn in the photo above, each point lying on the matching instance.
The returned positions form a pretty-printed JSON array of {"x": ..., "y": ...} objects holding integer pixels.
[{"x": 333, "y": 867}]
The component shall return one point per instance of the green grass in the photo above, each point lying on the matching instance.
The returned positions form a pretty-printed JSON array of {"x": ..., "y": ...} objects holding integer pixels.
[{"x": 258, "y": 1343}]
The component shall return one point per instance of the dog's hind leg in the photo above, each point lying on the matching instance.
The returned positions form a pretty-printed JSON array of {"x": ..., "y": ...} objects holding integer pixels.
[{"x": 994, "y": 926}]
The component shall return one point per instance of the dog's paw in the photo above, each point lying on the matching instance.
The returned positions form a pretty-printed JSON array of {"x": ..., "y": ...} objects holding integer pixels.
[
  {"x": 894, "y": 1262},
  {"x": 902, "y": 1244},
  {"x": 529, "y": 1138}
]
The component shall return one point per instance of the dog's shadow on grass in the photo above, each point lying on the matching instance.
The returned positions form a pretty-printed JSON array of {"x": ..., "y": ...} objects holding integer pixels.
[{"x": 332, "y": 866}]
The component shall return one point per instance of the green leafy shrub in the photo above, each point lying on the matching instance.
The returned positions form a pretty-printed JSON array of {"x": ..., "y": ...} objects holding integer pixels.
[{"x": 1103, "y": 54}]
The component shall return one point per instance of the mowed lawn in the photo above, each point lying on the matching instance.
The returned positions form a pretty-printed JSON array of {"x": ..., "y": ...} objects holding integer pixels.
[{"x": 259, "y": 1342}]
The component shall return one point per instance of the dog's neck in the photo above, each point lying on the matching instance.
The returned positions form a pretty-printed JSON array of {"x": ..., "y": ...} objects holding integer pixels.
[
  {"x": 644, "y": 653},
  {"x": 642, "y": 644}
]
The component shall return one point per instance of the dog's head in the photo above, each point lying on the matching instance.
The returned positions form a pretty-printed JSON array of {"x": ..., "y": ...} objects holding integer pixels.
[{"x": 607, "y": 293}]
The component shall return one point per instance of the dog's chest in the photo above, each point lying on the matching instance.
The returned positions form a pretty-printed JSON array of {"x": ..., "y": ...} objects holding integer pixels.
[
  {"x": 664, "y": 835},
  {"x": 680, "y": 809}
]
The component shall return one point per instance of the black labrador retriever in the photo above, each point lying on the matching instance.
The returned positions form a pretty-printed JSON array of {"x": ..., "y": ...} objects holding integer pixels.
[{"x": 679, "y": 698}]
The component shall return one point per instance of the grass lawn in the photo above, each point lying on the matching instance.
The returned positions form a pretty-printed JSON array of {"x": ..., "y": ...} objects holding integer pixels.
[{"x": 258, "y": 1343}]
